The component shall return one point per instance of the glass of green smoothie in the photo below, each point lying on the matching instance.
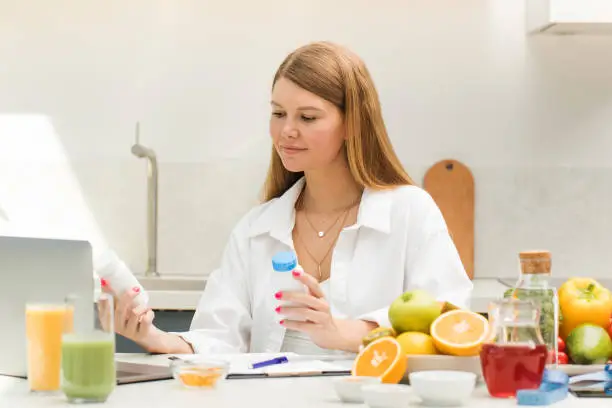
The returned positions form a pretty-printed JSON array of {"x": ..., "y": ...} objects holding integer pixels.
[{"x": 88, "y": 353}]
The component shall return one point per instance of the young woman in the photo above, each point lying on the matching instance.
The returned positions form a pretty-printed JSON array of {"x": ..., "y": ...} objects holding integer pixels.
[{"x": 337, "y": 195}]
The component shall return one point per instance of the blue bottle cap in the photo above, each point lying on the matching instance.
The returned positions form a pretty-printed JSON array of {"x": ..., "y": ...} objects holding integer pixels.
[{"x": 284, "y": 261}]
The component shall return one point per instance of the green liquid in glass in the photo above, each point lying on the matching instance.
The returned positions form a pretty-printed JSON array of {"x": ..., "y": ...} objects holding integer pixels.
[{"x": 88, "y": 366}]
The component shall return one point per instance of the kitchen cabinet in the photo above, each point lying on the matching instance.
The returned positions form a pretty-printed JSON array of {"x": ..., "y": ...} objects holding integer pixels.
[{"x": 573, "y": 17}]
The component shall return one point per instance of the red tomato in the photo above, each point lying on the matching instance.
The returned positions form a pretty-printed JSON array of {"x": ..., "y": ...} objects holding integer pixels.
[
  {"x": 563, "y": 359},
  {"x": 560, "y": 344}
]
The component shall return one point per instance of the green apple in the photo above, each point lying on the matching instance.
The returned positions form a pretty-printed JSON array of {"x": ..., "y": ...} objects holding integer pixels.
[{"x": 414, "y": 310}]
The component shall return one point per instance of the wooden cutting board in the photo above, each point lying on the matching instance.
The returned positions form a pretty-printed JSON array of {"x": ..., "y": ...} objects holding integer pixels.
[{"x": 451, "y": 185}]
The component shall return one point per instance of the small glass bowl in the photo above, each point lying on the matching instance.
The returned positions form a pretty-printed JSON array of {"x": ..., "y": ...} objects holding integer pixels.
[{"x": 200, "y": 373}]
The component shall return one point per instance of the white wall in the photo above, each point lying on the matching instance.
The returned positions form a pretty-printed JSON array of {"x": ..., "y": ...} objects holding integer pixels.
[{"x": 531, "y": 117}]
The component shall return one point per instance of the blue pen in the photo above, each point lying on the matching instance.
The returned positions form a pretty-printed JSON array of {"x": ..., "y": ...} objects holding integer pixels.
[{"x": 272, "y": 361}]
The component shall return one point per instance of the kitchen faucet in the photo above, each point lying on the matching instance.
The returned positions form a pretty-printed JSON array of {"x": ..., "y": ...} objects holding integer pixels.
[{"x": 143, "y": 152}]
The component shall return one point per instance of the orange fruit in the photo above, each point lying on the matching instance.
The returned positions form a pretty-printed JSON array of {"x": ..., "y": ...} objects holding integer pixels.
[
  {"x": 382, "y": 358},
  {"x": 460, "y": 332}
]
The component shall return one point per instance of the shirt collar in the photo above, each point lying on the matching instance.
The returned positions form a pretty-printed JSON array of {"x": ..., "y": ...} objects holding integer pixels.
[{"x": 278, "y": 218}]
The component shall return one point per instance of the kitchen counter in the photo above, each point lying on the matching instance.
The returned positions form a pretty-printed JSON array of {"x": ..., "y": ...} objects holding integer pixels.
[
  {"x": 183, "y": 293},
  {"x": 174, "y": 292},
  {"x": 174, "y": 299}
]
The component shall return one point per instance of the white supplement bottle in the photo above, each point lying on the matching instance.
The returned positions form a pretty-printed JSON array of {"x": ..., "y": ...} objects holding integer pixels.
[
  {"x": 283, "y": 264},
  {"x": 119, "y": 277}
]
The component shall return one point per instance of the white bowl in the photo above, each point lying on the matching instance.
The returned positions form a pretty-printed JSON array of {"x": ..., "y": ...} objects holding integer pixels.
[
  {"x": 443, "y": 388},
  {"x": 387, "y": 395},
  {"x": 349, "y": 388},
  {"x": 418, "y": 363}
]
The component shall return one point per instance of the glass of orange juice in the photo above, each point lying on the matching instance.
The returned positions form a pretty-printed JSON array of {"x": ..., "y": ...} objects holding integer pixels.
[{"x": 45, "y": 325}]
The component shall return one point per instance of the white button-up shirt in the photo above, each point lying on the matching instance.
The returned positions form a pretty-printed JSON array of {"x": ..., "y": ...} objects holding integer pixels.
[{"x": 400, "y": 242}]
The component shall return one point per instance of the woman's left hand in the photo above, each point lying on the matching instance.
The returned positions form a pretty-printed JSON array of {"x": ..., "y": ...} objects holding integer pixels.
[{"x": 311, "y": 314}]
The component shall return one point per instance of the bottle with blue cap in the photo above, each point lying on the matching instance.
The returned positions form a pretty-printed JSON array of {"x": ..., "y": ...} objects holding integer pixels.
[{"x": 283, "y": 264}]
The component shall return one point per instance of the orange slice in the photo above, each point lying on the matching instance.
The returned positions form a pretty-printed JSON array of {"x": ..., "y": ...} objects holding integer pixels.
[
  {"x": 460, "y": 332},
  {"x": 382, "y": 358}
]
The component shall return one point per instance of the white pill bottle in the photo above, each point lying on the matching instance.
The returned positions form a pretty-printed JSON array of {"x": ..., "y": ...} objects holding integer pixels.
[
  {"x": 119, "y": 277},
  {"x": 283, "y": 265}
]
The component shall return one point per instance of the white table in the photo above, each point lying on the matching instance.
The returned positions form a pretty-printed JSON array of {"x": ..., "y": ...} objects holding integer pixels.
[{"x": 269, "y": 393}]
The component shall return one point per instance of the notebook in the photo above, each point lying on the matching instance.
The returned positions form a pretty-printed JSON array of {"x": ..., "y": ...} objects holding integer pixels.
[{"x": 301, "y": 366}]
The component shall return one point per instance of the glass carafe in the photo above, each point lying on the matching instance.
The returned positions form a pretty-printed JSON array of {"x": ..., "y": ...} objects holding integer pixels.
[{"x": 515, "y": 355}]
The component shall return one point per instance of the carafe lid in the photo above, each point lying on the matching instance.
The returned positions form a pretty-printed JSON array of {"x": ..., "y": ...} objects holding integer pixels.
[{"x": 535, "y": 262}]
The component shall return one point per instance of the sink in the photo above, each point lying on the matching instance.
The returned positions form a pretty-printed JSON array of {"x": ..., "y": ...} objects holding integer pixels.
[{"x": 172, "y": 283}]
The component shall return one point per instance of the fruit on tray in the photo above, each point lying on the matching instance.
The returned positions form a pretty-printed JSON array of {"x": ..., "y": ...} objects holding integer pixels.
[
  {"x": 560, "y": 344},
  {"x": 378, "y": 333},
  {"x": 414, "y": 311},
  {"x": 584, "y": 300},
  {"x": 448, "y": 306},
  {"x": 382, "y": 358},
  {"x": 416, "y": 343},
  {"x": 589, "y": 344},
  {"x": 460, "y": 333},
  {"x": 562, "y": 357}
]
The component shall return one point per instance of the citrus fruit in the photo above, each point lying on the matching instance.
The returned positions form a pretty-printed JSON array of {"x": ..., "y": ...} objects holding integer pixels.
[
  {"x": 589, "y": 344},
  {"x": 416, "y": 343},
  {"x": 377, "y": 333},
  {"x": 382, "y": 358},
  {"x": 460, "y": 332}
]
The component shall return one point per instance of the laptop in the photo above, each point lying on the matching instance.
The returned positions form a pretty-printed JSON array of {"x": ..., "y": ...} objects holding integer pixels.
[{"x": 47, "y": 270}]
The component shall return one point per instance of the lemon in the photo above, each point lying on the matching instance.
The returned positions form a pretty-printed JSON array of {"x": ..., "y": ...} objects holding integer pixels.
[{"x": 416, "y": 343}]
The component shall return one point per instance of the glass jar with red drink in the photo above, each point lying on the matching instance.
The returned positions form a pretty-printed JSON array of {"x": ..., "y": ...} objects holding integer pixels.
[{"x": 515, "y": 355}]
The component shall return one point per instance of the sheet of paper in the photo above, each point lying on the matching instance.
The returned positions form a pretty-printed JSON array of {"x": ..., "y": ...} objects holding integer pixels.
[
  {"x": 297, "y": 367},
  {"x": 240, "y": 363}
]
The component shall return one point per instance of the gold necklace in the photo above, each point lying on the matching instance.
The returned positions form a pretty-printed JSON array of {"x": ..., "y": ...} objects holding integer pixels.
[
  {"x": 331, "y": 246},
  {"x": 323, "y": 233}
]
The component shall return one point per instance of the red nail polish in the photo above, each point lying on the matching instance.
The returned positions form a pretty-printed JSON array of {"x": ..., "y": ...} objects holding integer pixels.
[
  {"x": 296, "y": 273},
  {"x": 136, "y": 289},
  {"x": 103, "y": 282},
  {"x": 282, "y": 322},
  {"x": 278, "y": 295},
  {"x": 277, "y": 310}
]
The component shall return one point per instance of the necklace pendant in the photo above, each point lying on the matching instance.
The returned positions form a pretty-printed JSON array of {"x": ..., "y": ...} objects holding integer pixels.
[{"x": 321, "y": 234}]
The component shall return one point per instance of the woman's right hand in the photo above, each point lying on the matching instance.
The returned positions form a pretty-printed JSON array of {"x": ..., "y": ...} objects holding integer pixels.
[
  {"x": 136, "y": 323},
  {"x": 132, "y": 321}
]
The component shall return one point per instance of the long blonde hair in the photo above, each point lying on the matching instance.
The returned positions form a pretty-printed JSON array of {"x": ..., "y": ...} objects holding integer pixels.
[{"x": 337, "y": 75}]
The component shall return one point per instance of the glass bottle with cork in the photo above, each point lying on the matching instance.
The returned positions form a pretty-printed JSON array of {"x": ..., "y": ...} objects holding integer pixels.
[{"x": 534, "y": 285}]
